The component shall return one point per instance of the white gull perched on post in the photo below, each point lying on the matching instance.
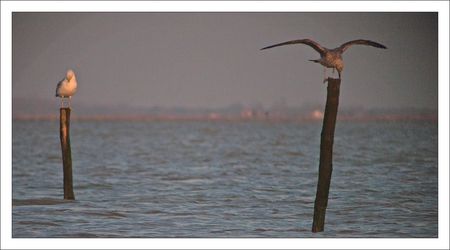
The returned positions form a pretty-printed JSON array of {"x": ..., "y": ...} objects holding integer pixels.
[
  {"x": 67, "y": 87},
  {"x": 330, "y": 58}
]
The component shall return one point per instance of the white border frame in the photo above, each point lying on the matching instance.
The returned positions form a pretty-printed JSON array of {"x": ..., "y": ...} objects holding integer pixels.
[{"x": 223, "y": 6}]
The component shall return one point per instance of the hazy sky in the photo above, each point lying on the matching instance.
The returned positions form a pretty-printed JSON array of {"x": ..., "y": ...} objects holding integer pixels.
[{"x": 213, "y": 59}]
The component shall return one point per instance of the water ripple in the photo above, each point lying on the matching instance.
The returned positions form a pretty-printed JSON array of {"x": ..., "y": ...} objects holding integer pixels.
[{"x": 231, "y": 179}]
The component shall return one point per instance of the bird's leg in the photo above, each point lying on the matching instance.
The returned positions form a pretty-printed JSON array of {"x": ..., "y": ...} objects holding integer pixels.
[
  {"x": 61, "y": 99},
  {"x": 325, "y": 75},
  {"x": 69, "y": 101},
  {"x": 333, "y": 70},
  {"x": 339, "y": 75}
]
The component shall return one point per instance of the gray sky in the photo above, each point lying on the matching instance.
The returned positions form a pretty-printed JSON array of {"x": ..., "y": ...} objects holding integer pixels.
[{"x": 213, "y": 59}]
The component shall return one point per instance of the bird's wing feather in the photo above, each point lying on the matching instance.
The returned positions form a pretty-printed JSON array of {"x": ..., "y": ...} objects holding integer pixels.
[
  {"x": 309, "y": 42},
  {"x": 58, "y": 87},
  {"x": 346, "y": 45}
]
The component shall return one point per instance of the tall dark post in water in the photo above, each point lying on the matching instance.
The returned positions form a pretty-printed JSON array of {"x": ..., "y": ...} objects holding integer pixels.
[
  {"x": 64, "y": 127},
  {"x": 326, "y": 154}
]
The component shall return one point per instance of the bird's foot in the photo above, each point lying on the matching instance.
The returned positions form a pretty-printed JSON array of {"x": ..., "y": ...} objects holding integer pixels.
[{"x": 325, "y": 80}]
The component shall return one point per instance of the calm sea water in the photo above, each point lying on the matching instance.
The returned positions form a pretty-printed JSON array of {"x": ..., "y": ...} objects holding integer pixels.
[{"x": 224, "y": 179}]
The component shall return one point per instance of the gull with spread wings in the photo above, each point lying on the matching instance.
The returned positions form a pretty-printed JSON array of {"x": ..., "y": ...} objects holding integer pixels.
[{"x": 330, "y": 58}]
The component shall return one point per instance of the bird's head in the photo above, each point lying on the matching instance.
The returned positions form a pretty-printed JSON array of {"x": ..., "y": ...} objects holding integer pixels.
[{"x": 70, "y": 74}]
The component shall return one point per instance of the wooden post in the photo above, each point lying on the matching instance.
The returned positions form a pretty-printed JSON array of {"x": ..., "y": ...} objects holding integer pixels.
[
  {"x": 64, "y": 127},
  {"x": 326, "y": 154}
]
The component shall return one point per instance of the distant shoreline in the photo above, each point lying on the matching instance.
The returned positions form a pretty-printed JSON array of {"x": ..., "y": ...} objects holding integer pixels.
[{"x": 367, "y": 118}]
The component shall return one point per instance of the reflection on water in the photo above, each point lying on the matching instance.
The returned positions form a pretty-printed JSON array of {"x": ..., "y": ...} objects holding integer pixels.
[{"x": 224, "y": 179}]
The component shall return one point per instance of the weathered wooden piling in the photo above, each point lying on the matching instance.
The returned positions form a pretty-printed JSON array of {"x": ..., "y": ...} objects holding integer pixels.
[
  {"x": 64, "y": 128},
  {"x": 326, "y": 154}
]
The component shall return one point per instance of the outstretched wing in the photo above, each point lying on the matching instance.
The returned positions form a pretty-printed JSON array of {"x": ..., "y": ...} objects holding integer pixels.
[
  {"x": 309, "y": 42},
  {"x": 346, "y": 45}
]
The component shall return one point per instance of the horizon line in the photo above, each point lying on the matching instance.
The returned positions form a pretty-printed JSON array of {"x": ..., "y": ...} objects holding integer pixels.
[{"x": 305, "y": 118}]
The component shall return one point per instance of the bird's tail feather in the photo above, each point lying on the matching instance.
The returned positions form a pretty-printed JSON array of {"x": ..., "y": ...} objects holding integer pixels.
[{"x": 316, "y": 61}]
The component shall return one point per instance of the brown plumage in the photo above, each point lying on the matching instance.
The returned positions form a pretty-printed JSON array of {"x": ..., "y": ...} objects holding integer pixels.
[{"x": 330, "y": 58}]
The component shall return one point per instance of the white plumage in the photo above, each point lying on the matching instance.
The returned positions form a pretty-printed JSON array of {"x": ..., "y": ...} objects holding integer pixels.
[{"x": 67, "y": 87}]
